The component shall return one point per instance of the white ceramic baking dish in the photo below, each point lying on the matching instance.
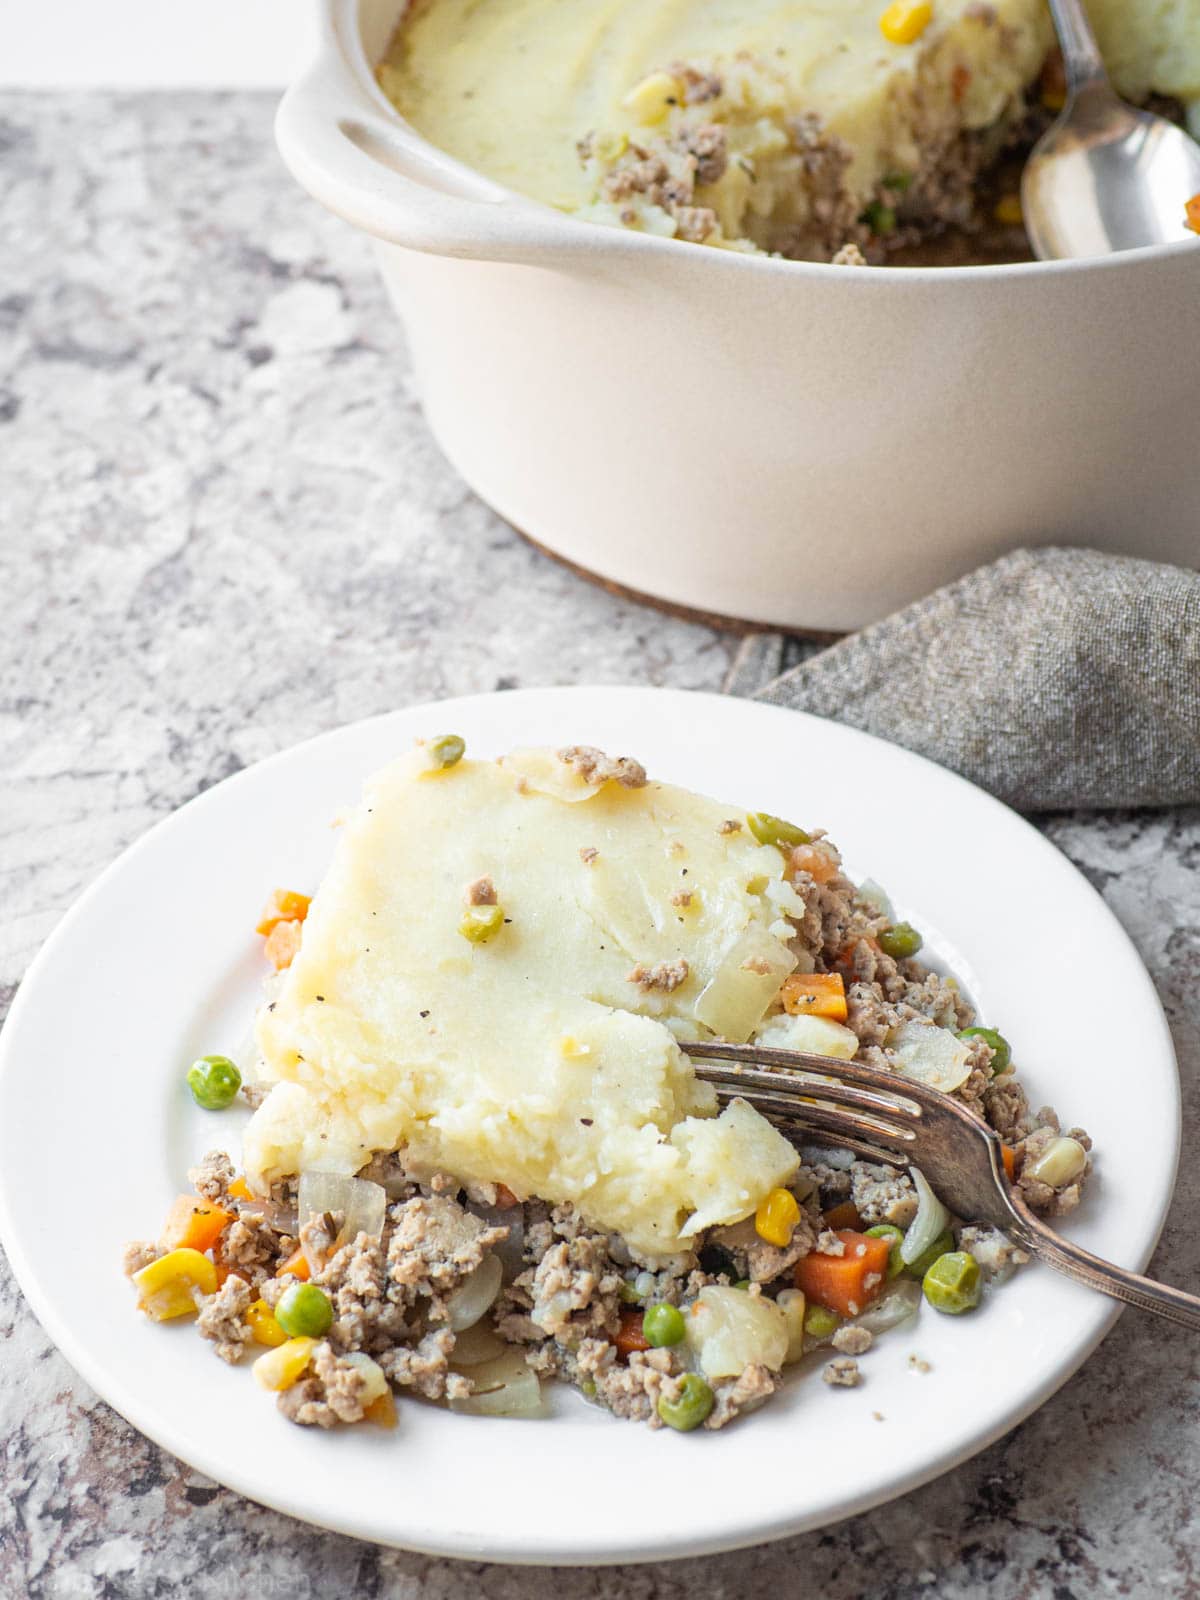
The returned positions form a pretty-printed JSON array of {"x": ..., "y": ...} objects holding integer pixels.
[{"x": 778, "y": 441}]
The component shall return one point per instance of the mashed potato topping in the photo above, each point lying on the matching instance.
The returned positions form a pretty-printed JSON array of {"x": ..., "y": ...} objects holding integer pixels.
[
  {"x": 816, "y": 104},
  {"x": 542, "y": 1056}
]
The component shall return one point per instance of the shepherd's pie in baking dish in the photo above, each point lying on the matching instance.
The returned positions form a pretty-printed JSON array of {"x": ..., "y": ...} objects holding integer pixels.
[{"x": 807, "y": 127}]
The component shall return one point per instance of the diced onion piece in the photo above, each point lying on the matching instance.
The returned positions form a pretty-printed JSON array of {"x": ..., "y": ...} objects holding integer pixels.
[
  {"x": 931, "y": 1219},
  {"x": 895, "y": 1305},
  {"x": 1060, "y": 1163},
  {"x": 931, "y": 1055},
  {"x": 545, "y": 773},
  {"x": 734, "y": 999},
  {"x": 477, "y": 1344},
  {"x": 362, "y": 1202},
  {"x": 793, "y": 1305},
  {"x": 729, "y": 1330},
  {"x": 504, "y": 1387},
  {"x": 375, "y": 1384},
  {"x": 510, "y": 1250},
  {"x": 509, "y": 1364},
  {"x": 877, "y": 897},
  {"x": 522, "y": 1397},
  {"x": 476, "y": 1295}
]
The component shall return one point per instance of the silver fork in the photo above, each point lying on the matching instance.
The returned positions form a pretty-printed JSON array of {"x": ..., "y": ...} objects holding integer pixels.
[{"x": 900, "y": 1122}]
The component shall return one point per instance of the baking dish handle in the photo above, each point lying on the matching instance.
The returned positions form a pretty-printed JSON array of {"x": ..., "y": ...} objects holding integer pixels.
[{"x": 374, "y": 174}]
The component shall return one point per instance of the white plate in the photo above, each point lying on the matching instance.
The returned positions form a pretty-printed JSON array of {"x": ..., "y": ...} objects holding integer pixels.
[{"x": 158, "y": 963}]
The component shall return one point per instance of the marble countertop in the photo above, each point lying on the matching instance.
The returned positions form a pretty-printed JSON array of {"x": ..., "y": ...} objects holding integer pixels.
[{"x": 223, "y": 528}]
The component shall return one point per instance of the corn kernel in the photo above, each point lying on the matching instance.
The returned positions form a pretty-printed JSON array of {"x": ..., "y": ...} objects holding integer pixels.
[
  {"x": 776, "y": 1217},
  {"x": 167, "y": 1287},
  {"x": 1191, "y": 212},
  {"x": 905, "y": 21},
  {"x": 1054, "y": 98},
  {"x": 264, "y": 1326},
  {"x": 1008, "y": 210},
  {"x": 651, "y": 100},
  {"x": 480, "y": 923},
  {"x": 282, "y": 1367}
]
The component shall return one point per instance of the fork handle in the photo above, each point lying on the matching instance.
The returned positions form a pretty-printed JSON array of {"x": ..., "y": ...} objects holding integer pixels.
[{"x": 1075, "y": 1262}]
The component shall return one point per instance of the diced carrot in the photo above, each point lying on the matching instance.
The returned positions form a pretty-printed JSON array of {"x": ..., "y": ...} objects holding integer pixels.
[
  {"x": 960, "y": 82},
  {"x": 631, "y": 1337},
  {"x": 1191, "y": 211},
  {"x": 815, "y": 994},
  {"x": 1009, "y": 1157},
  {"x": 847, "y": 1283},
  {"x": 281, "y": 944},
  {"x": 283, "y": 905},
  {"x": 821, "y": 865},
  {"x": 382, "y": 1410},
  {"x": 240, "y": 1189},
  {"x": 222, "y": 1272},
  {"x": 194, "y": 1224},
  {"x": 296, "y": 1264},
  {"x": 843, "y": 1216},
  {"x": 505, "y": 1198}
]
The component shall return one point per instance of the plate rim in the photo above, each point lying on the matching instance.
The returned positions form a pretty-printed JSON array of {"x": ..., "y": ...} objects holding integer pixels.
[{"x": 460, "y": 1545}]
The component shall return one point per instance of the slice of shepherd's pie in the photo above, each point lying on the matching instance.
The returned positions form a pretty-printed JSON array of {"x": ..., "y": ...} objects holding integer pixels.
[{"x": 478, "y": 1156}]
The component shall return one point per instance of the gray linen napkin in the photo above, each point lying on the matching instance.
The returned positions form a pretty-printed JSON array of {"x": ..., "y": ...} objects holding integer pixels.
[{"x": 1054, "y": 678}]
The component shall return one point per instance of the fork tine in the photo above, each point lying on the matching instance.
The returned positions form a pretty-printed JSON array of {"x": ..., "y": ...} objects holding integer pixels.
[
  {"x": 801, "y": 1135},
  {"x": 752, "y": 1055},
  {"x": 813, "y": 1114},
  {"x": 819, "y": 1088}
]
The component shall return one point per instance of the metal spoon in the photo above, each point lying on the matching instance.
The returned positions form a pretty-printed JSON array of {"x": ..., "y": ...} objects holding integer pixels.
[{"x": 1104, "y": 176}]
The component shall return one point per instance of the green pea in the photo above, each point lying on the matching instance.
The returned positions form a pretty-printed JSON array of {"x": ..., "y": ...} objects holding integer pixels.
[
  {"x": 952, "y": 1283},
  {"x": 447, "y": 750},
  {"x": 214, "y": 1082},
  {"x": 886, "y": 1230},
  {"x": 820, "y": 1323},
  {"x": 695, "y": 1402},
  {"x": 304, "y": 1311},
  {"x": 627, "y": 1292},
  {"x": 899, "y": 941},
  {"x": 663, "y": 1325},
  {"x": 879, "y": 218},
  {"x": 898, "y": 182},
  {"x": 999, "y": 1044},
  {"x": 742, "y": 1283},
  {"x": 479, "y": 923},
  {"x": 940, "y": 1246},
  {"x": 774, "y": 830}
]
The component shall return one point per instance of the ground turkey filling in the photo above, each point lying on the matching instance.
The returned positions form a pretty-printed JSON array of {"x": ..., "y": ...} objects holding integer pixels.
[{"x": 568, "y": 1291}]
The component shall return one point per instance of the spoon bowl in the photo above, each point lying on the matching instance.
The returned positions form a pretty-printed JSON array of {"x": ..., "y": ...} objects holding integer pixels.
[{"x": 1107, "y": 177}]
